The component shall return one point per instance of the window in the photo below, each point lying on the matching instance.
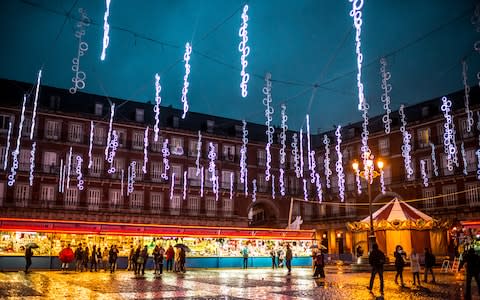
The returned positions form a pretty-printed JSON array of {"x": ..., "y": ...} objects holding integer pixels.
[
  {"x": 210, "y": 206},
  {"x": 138, "y": 170},
  {"x": 2, "y": 155},
  {"x": 463, "y": 128},
  {"x": 119, "y": 165},
  {"x": 47, "y": 195},
  {"x": 210, "y": 126},
  {"x": 307, "y": 210},
  {"x": 450, "y": 196},
  {"x": 387, "y": 174},
  {"x": 261, "y": 183},
  {"x": 428, "y": 195},
  {"x": 177, "y": 169},
  {"x": 24, "y": 160},
  {"x": 261, "y": 157},
  {"x": 175, "y": 204},
  {"x": 240, "y": 185},
  {"x": 52, "y": 130},
  {"x": 424, "y": 137},
  {"x": 136, "y": 200},
  {"x": 122, "y": 137},
  {"x": 115, "y": 199},
  {"x": 94, "y": 198},
  {"x": 193, "y": 179},
  {"x": 98, "y": 109},
  {"x": 156, "y": 201},
  {"x": 49, "y": 162},
  {"x": 71, "y": 197},
  {"x": 4, "y": 122},
  {"x": 138, "y": 140},
  {"x": 97, "y": 166},
  {"x": 207, "y": 149},
  {"x": 22, "y": 194},
  {"x": 440, "y": 131},
  {"x": 27, "y": 127},
  {"x": 226, "y": 179},
  {"x": 227, "y": 206},
  {"x": 156, "y": 169},
  {"x": 75, "y": 132},
  {"x": 193, "y": 205},
  {"x": 472, "y": 194},
  {"x": 99, "y": 135},
  {"x": 139, "y": 115},
  {"x": 192, "y": 148},
  {"x": 156, "y": 146},
  {"x": 384, "y": 146},
  {"x": 229, "y": 152},
  {"x": 428, "y": 166},
  {"x": 176, "y": 145},
  {"x": 471, "y": 158}
]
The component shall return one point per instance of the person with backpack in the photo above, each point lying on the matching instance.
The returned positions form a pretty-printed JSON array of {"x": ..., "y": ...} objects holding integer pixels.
[
  {"x": 473, "y": 268},
  {"x": 376, "y": 260},
  {"x": 429, "y": 263},
  {"x": 319, "y": 265}
]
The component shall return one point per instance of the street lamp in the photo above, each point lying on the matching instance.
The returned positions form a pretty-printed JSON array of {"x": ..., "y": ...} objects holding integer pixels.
[{"x": 369, "y": 173}]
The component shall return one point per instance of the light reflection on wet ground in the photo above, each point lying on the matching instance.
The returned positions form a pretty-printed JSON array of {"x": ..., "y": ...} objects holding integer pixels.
[{"x": 218, "y": 284}]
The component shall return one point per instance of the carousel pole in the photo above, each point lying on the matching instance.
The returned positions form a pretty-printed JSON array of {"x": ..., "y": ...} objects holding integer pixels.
[{"x": 371, "y": 237}]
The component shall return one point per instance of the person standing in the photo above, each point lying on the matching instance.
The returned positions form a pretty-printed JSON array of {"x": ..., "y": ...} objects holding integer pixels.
[
  {"x": 105, "y": 256},
  {"x": 161, "y": 256},
  {"x": 93, "y": 259},
  {"x": 359, "y": 251},
  {"x": 130, "y": 258},
  {"x": 415, "y": 266},
  {"x": 280, "y": 257},
  {"x": 288, "y": 259},
  {"x": 86, "y": 257},
  {"x": 112, "y": 258},
  {"x": 144, "y": 256},
  {"x": 319, "y": 265},
  {"x": 170, "y": 253},
  {"x": 65, "y": 257},
  {"x": 429, "y": 263},
  {"x": 28, "y": 258},
  {"x": 156, "y": 254},
  {"x": 99, "y": 257},
  {"x": 244, "y": 253},
  {"x": 399, "y": 263},
  {"x": 182, "y": 257},
  {"x": 273, "y": 255},
  {"x": 473, "y": 268},
  {"x": 79, "y": 258},
  {"x": 376, "y": 259},
  {"x": 137, "y": 260}
]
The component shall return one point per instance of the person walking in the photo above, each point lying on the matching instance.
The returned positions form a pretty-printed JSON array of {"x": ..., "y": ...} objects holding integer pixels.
[
  {"x": 28, "y": 258},
  {"x": 280, "y": 258},
  {"x": 273, "y": 255},
  {"x": 169, "y": 255},
  {"x": 244, "y": 253},
  {"x": 105, "y": 256},
  {"x": 130, "y": 258},
  {"x": 182, "y": 257},
  {"x": 79, "y": 258},
  {"x": 144, "y": 256},
  {"x": 319, "y": 265},
  {"x": 399, "y": 263},
  {"x": 473, "y": 268},
  {"x": 112, "y": 257},
  {"x": 376, "y": 259},
  {"x": 415, "y": 266},
  {"x": 288, "y": 259},
  {"x": 429, "y": 263},
  {"x": 93, "y": 259}
]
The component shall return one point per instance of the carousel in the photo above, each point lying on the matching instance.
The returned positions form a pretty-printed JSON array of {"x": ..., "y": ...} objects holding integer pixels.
[{"x": 398, "y": 223}]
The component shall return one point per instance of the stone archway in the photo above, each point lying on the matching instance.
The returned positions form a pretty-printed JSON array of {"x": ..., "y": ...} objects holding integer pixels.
[
  {"x": 263, "y": 211},
  {"x": 390, "y": 195}
]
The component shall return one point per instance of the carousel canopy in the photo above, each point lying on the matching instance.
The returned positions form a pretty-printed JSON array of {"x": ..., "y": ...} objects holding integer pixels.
[{"x": 398, "y": 210}]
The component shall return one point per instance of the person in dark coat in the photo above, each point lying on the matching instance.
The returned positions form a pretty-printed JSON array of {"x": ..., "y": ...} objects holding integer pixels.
[
  {"x": 273, "y": 255},
  {"x": 288, "y": 259},
  {"x": 170, "y": 254},
  {"x": 473, "y": 268},
  {"x": 376, "y": 259},
  {"x": 136, "y": 260},
  {"x": 79, "y": 258},
  {"x": 93, "y": 259},
  {"x": 319, "y": 265},
  {"x": 144, "y": 255},
  {"x": 112, "y": 258},
  {"x": 86, "y": 257},
  {"x": 28, "y": 258},
  {"x": 182, "y": 256},
  {"x": 429, "y": 263},
  {"x": 399, "y": 263}
]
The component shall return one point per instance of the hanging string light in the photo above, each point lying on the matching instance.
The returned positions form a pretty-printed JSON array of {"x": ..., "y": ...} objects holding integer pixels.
[
  {"x": 202, "y": 181},
  {"x": 145, "y": 151},
  {"x": 318, "y": 185},
  {"x": 311, "y": 154},
  {"x": 121, "y": 182},
  {"x": 387, "y": 87},
  {"x": 283, "y": 142},
  {"x": 212, "y": 155},
  {"x": 156, "y": 107},
  {"x": 37, "y": 90},
  {"x": 468, "y": 112},
  {"x": 434, "y": 160},
  {"x": 281, "y": 181},
  {"x": 69, "y": 168},
  {"x": 216, "y": 188},
  {"x": 16, "y": 152},
  {"x": 78, "y": 170},
  {"x": 166, "y": 164},
  {"x": 406, "y": 147},
  {"x": 301, "y": 152},
  {"x": 305, "y": 191},
  {"x": 464, "y": 157},
  {"x": 423, "y": 171},
  {"x": 357, "y": 179},
  {"x": 356, "y": 13},
  {"x": 172, "y": 186},
  {"x": 339, "y": 165},
  {"x": 478, "y": 126},
  {"x": 186, "y": 84},
  {"x": 106, "y": 29},
  {"x": 254, "y": 190},
  {"x": 245, "y": 184},
  {"x": 109, "y": 135},
  {"x": 184, "y": 185},
  {"x": 199, "y": 151},
  {"x": 295, "y": 155},
  {"x": 231, "y": 185},
  {"x": 132, "y": 174},
  {"x": 267, "y": 100},
  {"x": 90, "y": 146},
  {"x": 243, "y": 155},
  {"x": 478, "y": 163},
  {"x": 32, "y": 162},
  {"x": 80, "y": 76},
  {"x": 113, "y": 150},
  {"x": 326, "y": 160},
  {"x": 7, "y": 149},
  {"x": 449, "y": 143},
  {"x": 273, "y": 186},
  {"x": 382, "y": 181},
  {"x": 245, "y": 50},
  {"x": 64, "y": 175},
  {"x": 60, "y": 177}
]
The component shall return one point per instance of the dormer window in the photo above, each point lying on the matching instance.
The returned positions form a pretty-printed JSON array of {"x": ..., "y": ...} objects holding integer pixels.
[
  {"x": 210, "y": 125},
  {"x": 139, "y": 115},
  {"x": 98, "y": 109}
]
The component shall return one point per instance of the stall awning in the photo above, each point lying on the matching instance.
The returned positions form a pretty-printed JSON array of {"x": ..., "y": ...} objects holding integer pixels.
[
  {"x": 105, "y": 228},
  {"x": 470, "y": 224}
]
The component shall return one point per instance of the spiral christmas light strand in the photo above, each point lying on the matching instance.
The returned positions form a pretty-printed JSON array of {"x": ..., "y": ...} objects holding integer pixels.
[
  {"x": 231, "y": 185},
  {"x": 356, "y": 13},
  {"x": 60, "y": 177},
  {"x": 245, "y": 50},
  {"x": 184, "y": 185},
  {"x": 32, "y": 162},
  {"x": 7, "y": 149},
  {"x": 295, "y": 155},
  {"x": 113, "y": 150},
  {"x": 305, "y": 191},
  {"x": 243, "y": 154},
  {"x": 202, "y": 181},
  {"x": 106, "y": 30},
  {"x": 156, "y": 107},
  {"x": 212, "y": 168},
  {"x": 301, "y": 152},
  {"x": 273, "y": 186},
  {"x": 199, "y": 151},
  {"x": 109, "y": 135},
  {"x": 318, "y": 185},
  {"x": 478, "y": 163},
  {"x": 434, "y": 160},
  {"x": 35, "y": 102},
  {"x": 254, "y": 190},
  {"x": 186, "y": 84},
  {"x": 80, "y": 76},
  {"x": 387, "y": 87},
  {"x": 172, "y": 186},
  {"x": 326, "y": 160},
  {"x": 406, "y": 147},
  {"x": 16, "y": 152},
  {"x": 145, "y": 151},
  {"x": 449, "y": 143},
  {"x": 382, "y": 181},
  {"x": 339, "y": 165},
  {"x": 78, "y": 171},
  {"x": 311, "y": 154},
  {"x": 267, "y": 101},
  {"x": 423, "y": 171},
  {"x": 69, "y": 168},
  {"x": 281, "y": 181},
  {"x": 131, "y": 178},
  {"x": 166, "y": 164},
  {"x": 357, "y": 179},
  {"x": 464, "y": 157},
  {"x": 90, "y": 145},
  {"x": 468, "y": 112}
]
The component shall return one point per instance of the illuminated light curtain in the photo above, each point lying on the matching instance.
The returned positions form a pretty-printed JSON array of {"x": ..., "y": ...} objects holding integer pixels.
[
  {"x": 156, "y": 107},
  {"x": 406, "y": 147},
  {"x": 245, "y": 50},
  {"x": 90, "y": 145},
  {"x": 267, "y": 101},
  {"x": 35, "y": 102},
  {"x": 434, "y": 160},
  {"x": 186, "y": 84},
  {"x": 60, "y": 177},
  {"x": 449, "y": 143},
  {"x": 78, "y": 170},
  {"x": 326, "y": 160},
  {"x": 131, "y": 177},
  {"x": 254, "y": 190},
  {"x": 16, "y": 152},
  {"x": 32, "y": 162},
  {"x": 464, "y": 158},
  {"x": 318, "y": 185},
  {"x": 423, "y": 171},
  {"x": 106, "y": 30},
  {"x": 80, "y": 76},
  {"x": 109, "y": 135},
  {"x": 243, "y": 157},
  {"x": 311, "y": 153},
  {"x": 283, "y": 140},
  {"x": 113, "y": 150},
  {"x": 69, "y": 168},
  {"x": 199, "y": 151},
  {"x": 184, "y": 185},
  {"x": 386, "y": 87},
  {"x": 295, "y": 155},
  {"x": 166, "y": 164},
  {"x": 466, "y": 98},
  {"x": 145, "y": 151},
  {"x": 339, "y": 165},
  {"x": 172, "y": 186}
]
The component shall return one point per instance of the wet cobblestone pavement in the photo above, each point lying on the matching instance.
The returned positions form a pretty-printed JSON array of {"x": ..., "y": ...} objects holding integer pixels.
[{"x": 219, "y": 284}]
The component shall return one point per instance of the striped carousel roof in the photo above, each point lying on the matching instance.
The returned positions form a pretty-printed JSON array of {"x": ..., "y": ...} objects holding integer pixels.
[{"x": 398, "y": 210}]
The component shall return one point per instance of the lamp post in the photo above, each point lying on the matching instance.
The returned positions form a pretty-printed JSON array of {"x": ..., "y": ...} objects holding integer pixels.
[{"x": 369, "y": 173}]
